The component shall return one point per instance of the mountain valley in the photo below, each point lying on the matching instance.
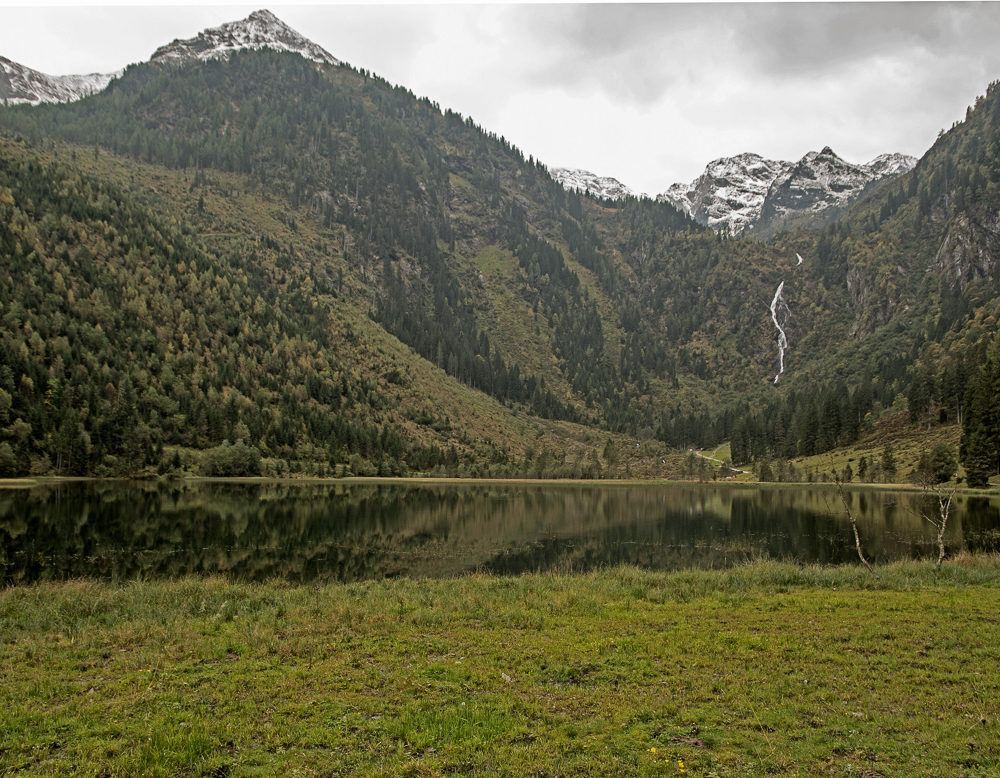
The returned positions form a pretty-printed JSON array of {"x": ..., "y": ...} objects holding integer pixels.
[{"x": 248, "y": 257}]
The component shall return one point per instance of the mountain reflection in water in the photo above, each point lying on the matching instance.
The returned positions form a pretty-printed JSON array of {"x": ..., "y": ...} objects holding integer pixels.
[{"x": 348, "y": 530}]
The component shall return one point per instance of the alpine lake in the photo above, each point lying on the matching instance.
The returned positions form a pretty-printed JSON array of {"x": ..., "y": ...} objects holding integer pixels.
[{"x": 351, "y": 530}]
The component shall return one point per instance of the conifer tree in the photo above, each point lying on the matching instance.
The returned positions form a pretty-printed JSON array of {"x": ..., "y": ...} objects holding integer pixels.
[
  {"x": 810, "y": 430},
  {"x": 980, "y": 449}
]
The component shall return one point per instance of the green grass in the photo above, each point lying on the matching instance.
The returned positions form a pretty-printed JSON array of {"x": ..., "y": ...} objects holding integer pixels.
[
  {"x": 907, "y": 442},
  {"x": 520, "y": 335},
  {"x": 768, "y": 669},
  {"x": 722, "y": 452}
]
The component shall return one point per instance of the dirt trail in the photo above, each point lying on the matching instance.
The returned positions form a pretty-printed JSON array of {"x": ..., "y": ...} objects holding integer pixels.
[{"x": 713, "y": 459}]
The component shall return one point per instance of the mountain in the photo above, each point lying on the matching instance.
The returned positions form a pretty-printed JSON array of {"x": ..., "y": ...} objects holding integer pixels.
[
  {"x": 254, "y": 264},
  {"x": 887, "y": 165},
  {"x": 261, "y": 29},
  {"x": 19, "y": 84},
  {"x": 729, "y": 194},
  {"x": 589, "y": 183},
  {"x": 748, "y": 193},
  {"x": 822, "y": 184}
]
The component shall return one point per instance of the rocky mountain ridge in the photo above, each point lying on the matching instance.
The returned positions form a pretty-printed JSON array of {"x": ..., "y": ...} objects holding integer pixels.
[
  {"x": 20, "y": 84},
  {"x": 261, "y": 29},
  {"x": 748, "y": 193},
  {"x": 586, "y": 182},
  {"x": 823, "y": 182},
  {"x": 730, "y": 193}
]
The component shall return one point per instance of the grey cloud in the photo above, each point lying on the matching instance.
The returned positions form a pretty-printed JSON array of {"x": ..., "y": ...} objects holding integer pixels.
[
  {"x": 804, "y": 39},
  {"x": 609, "y": 30},
  {"x": 632, "y": 53},
  {"x": 635, "y": 54}
]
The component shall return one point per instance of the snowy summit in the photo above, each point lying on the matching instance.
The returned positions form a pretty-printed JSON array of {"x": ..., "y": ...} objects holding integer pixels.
[
  {"x": 260, "y": 30},
  {"x": 822, "y": 180}
]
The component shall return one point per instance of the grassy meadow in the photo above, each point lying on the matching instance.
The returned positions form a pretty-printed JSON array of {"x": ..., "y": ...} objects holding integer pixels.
[{"x": 765, "y": 669}]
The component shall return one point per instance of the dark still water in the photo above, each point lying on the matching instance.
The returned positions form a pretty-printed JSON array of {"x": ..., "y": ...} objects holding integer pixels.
[{"x": 348, "y": 531}]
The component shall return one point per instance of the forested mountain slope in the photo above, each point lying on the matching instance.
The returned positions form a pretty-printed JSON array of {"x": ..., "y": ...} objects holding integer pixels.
[
  {"x": 917, "y": 261},
  {"x": 317, "y": 264}
]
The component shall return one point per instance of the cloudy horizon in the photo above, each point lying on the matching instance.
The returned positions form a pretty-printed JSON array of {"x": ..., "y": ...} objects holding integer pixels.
[{"x": 645, "y": 93}]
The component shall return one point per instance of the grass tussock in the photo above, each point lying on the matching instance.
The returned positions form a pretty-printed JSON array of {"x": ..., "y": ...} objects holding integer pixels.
[{"x": 764, "y": 669}]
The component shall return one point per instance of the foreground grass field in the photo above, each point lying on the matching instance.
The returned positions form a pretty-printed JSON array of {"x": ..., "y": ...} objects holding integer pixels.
[{"x": 768, "y": 669}]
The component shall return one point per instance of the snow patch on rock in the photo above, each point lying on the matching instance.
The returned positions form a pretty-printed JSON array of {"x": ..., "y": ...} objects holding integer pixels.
[
  {"x": 20, "y": 84},
  {"x": 891, "y": 165},
  {"x": 729, "y": 194}
]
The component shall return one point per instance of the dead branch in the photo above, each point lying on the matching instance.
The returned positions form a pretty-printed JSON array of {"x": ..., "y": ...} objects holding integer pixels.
[
  {"x": 945, "y": 495},
  {"x": 854, "y": 522}
]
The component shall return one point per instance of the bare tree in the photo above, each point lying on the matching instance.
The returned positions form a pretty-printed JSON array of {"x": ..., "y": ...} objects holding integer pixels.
[
  {"x": 944, "y": 494},
  {"x": 854, "y": 521},
  {"x": 945, "y": 497}
]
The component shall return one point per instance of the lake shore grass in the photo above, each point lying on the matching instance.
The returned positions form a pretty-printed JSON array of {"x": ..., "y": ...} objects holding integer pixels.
[
  {"x": 764, "y": 669},
  {"x": 624, "y": 483}
]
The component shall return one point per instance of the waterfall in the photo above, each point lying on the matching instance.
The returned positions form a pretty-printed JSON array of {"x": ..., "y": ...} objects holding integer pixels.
[{"x": 780, "y": 308}]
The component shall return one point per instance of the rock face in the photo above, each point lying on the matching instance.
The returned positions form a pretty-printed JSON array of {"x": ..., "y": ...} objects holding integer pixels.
[
  {"x": 262, "y": 29},
  {"x": 970, "y": 249},
  {"x": 20, "y": 84},
  {"x": 748, "y": 193},
  {"x": 729, "y": 194},
  {"x": 585, "y": 181},
  {"x": 822, "y": 181}
]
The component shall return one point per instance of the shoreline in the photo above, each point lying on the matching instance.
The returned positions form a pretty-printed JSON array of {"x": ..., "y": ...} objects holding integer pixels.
[{"x": 27, "y": 483}]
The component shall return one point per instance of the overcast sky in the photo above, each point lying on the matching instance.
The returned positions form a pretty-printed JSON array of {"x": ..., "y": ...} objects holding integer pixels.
[{"x": 647, "y": 93}]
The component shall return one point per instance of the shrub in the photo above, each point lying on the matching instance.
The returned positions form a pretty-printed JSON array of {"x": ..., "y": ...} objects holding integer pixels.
[{"x": 231, "y": 460}]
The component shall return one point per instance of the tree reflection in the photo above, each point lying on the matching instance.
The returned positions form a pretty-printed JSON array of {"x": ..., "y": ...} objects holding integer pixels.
[{"x": 348, "y": 531}]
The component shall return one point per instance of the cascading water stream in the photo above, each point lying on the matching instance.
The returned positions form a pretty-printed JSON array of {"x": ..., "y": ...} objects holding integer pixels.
[{"x": 780, "y": 308}]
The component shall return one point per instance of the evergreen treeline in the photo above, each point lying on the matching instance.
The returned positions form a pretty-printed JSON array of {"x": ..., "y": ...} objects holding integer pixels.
[
  {"x": 447, "y": 335},
  {"x": 121, "y": 337}
]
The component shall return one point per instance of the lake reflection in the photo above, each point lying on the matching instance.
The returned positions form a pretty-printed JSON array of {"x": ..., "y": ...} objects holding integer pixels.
[{"x": 348, "y": 531}]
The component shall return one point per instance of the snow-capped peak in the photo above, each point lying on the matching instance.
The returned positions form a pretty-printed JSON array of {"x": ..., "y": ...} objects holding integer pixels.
[
  {"x": 730, "y": 193},
  {"x": 260, "y": 30},
  {"x": 585, "y": 181},
  {"x": 746, "y": 191},
  {"x": 20, "y": 84},
  {"x": 821, "y": 181}
]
